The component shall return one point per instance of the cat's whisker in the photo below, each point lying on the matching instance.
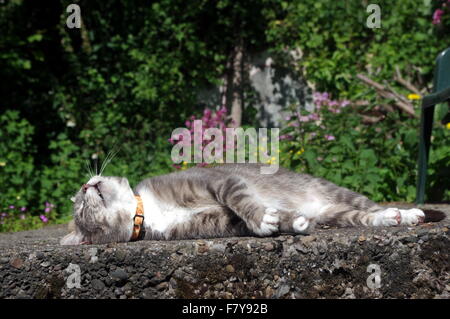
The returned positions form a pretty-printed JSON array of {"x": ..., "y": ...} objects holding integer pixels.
[
  {"x": 105, "y": 161},
  {"x": 108, "y": 159},
  {"x": 87, "y": 168}
]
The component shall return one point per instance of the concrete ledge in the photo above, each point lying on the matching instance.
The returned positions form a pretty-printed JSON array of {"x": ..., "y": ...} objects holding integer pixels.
[{"x": 331, "y": 263}]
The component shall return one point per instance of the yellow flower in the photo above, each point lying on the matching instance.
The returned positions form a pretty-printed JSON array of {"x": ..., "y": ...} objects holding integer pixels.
[
  {"x": 2, "y": 163},
  {"x": 185, "y": 163},
  {"x": 448, "y": 126},
  {"x": 414, "y": 96},
  {"x": 273, "y": 159}
]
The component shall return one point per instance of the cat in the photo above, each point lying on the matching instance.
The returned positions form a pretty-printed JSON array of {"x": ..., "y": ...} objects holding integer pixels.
[{"x": 221, "y": 201}]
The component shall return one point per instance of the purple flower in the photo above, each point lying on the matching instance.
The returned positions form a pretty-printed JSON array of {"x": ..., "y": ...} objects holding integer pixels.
[
  {"x": 43, "y": 218},
  {"x": 437, "y": 16},
  {"x": 333, "y": 103},
  {"x": 302, "y": 118},
  {"x": 47, "y": 209},
  {"x": 23, "y": 209},
  {"x": 344, "y": 103},
  {"x": 4, "y": 214},
  {"x": 329, "y": 137},
  {"x": 11, "y": 207},
  {"x": 285, "y": 137}
]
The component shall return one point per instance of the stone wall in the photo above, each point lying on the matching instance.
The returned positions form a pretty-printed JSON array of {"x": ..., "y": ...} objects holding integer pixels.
[{"x": 411, "y": 262}]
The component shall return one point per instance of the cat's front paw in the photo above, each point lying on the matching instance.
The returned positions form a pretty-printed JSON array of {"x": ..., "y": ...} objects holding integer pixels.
[
  {"x": 412, "y": 216},
  {"x": 270, "y": 223}
]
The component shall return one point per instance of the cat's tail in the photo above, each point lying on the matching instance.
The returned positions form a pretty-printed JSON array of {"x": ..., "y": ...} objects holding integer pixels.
[{"x": 433, "y": 216}]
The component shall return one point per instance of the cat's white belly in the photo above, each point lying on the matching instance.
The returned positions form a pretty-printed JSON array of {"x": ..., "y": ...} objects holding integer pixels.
[{"x": 161, "y": 216}]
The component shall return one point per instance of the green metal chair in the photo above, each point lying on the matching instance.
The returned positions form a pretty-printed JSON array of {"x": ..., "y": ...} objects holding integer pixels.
[{"x": 441, "y": 93}]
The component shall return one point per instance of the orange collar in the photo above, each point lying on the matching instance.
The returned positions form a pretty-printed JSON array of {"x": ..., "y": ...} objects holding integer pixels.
[{"x": 138, "y": 221}]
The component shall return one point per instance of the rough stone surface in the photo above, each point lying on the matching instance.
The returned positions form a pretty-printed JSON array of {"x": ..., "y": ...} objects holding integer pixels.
[{"x": 330, "y": 263}]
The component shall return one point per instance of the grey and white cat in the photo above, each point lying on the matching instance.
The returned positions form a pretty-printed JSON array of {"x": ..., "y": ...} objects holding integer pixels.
[{"x": 226, "y": 200}]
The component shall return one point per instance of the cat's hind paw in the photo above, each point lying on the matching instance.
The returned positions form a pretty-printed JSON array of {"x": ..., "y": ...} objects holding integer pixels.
[
  {"x": 395, "y": 217},
  {"x": 388, "y": 217},
  {"x": 412, "y": 216},
  {"x": 269, "y": 224},
  {"x": 300, "y": 224}
]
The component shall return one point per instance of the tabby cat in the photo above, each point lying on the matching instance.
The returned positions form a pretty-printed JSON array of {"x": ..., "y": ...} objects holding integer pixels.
[{"x": 226, "y": 200}]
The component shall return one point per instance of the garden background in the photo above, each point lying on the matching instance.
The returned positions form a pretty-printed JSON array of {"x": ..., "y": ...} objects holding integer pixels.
[{"x": 131, "y": 73}]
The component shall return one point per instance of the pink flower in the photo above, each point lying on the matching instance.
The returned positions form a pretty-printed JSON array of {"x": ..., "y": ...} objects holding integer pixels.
[
  {"x": 23, "y": 209},
  {"x": 302, "y": 118},
  {"x": 333, "y": 103},
  {"x": 47, "y": 209},
  {"x": 43, "y": 218},
  {"x": 11, "y": 207},
  {"x": 207, "y": 112},
  {"x": 285, "y": 137},
  {"x": 437, "y": 16},
  {"x": 329, "y": 137},
  {"x": 22, "y": 216},
  {"x": 344, "y": 103}
]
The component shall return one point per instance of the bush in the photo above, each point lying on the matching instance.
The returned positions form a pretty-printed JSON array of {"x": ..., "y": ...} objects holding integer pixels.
[{"x": 378, "y": 159}]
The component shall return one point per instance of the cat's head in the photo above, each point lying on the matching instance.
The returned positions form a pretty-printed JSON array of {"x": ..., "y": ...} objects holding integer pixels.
[{"x": 103, "y": 211}]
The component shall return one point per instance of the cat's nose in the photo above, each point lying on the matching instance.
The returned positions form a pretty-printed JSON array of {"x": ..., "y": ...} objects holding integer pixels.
[{"x": 86, "y": 186}]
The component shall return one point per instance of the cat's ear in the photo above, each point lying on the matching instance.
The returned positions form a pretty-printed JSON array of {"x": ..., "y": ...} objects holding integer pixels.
[
  {"x": 74, "y": 238},
  {"x": 124, "y": 181}
]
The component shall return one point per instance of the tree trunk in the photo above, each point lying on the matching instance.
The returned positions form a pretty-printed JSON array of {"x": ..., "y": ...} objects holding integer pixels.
[
  {"x": 237, "y": 99},
  {"x": 232, "y": 87}
]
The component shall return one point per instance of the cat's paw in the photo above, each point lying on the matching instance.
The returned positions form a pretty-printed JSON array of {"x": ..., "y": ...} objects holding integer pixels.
[
  {"x": 269, "y": 224},
  {"x": 300, "y": 224},
  {"x": 388, "y": 217},
  {"x": 412, "y": 216}
]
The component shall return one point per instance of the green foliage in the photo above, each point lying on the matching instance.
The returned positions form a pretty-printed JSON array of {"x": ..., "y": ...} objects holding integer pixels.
[
  {"x": 379, "y": 160},
  {"x": 337, "y": 44},
  {"x": 16, "y": 161}
]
